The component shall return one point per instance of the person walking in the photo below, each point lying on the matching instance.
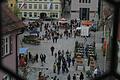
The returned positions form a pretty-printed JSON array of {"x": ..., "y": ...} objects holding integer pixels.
[
  {"x": 30, "y": 56},
  {"x": 55, "y": 78},
  {"x": 73, "y": 61},
  {"x": 41, "y": 57},
  {"x": 69, "y": 61},
  {"x": 58, "y": 67},
  {"x": 74, "y": 77},
  {"x": 36, "y": 57},
  {"x": 44, "y": 58},
  {"x": 54, "y": 68},
  {"x": 81, "y": 76},
  {"x": 53, "y": 38},
  {"x": 63, "y": 68},
  {"x": 52, "y": 50},
  {"x": 55, "y": 55},
  {"x": 68, "y": 77}
]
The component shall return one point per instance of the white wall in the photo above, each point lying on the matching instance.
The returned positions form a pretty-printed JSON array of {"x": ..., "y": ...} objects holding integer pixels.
[{"x": 75, "y": 5}]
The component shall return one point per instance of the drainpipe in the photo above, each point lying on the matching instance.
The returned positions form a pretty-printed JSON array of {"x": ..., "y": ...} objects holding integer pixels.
[{"x": 21, "y": 32}]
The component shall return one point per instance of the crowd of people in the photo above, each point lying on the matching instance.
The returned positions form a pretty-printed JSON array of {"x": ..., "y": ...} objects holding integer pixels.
[{"x": 62, "y": 59}]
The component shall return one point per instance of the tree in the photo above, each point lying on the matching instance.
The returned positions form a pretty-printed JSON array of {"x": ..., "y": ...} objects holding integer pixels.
[{"x": 17, "y": 12}]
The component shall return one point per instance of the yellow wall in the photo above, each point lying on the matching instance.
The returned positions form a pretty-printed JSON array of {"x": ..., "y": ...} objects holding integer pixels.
[{"x": 11, "y": 4}]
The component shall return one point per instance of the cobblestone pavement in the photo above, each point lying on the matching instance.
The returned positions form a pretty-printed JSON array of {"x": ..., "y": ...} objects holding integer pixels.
[{"x": 63, "y": 44}]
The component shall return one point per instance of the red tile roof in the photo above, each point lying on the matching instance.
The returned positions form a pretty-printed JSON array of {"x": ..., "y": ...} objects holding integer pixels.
[{"x": 9, "y": 21}]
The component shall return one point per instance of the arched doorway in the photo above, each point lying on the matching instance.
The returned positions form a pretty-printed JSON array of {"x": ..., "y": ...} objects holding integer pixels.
[{"x": 43, "y": 15}]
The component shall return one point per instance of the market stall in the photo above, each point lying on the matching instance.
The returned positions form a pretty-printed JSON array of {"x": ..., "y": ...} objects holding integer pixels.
[
  {"x": 87, "y": 23},
  {"x": 62, "y": 22},
  {"x": 79, "y": 61},
  {"x": 23, "y": 57}
]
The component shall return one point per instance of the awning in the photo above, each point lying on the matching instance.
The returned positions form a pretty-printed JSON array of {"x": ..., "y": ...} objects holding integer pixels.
[
  {"x": 23, "y": 50},
  {"x": 88, "y": 23},
  {"x": 63, "y": 20},
  {"x": 78, "y": 28}
]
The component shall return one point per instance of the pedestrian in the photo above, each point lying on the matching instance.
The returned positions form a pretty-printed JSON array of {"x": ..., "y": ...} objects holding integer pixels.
[
  {"x": 59, "y": 52},
  {"x": 73, "y": 61},
  {"x": 55, "y": 55},
  {"x": 36, "y": 57},
  {"x": 53, "y": 38},
  {"x": 67, "y": 53},
  {"x": 52, "y": 50},
  {"x": 63, "y": 68},
  {"x": 30, "y": 56},
  {"x": 51, "y": 78},
  {"x": 44, "y": 58},
  {"x": 58, "y": 67},
  {"x": 41, "y": 57},
  {"x": 69, "y": 61},
  {"x": 77, "y": 76},
  {"x": 56, "y": 38},
  {"x": 74, "y": 77},
  {"x": 62, "y": 53},
  {"x": 68, "y": 77},
  {"x": 55, "y": 78},
  {"x": 54, "y": 68},
  {"x": 81, "y": 76}
]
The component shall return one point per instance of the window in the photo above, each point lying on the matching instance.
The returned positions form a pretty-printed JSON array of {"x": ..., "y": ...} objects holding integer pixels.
[
  {"x": 83, "y": 1},
  {"x": 35, "y": 6},
  {"x": 7, "y": 77},
  {"x": 25, "y": 14},
  {"x": 50, "y": 6},
  {"x": 89, "y": 1},
  {"x": 19, "y": 5},
  {"x": 84, "y": 13},
  {"x": 25, "y": 6},
  {"x": 56, "y": 6},
  {"x": 5, "y": 45},
  {"x": 40, "y": 6},
  {"x": 30, "y": 6},
  {"x": 45, "y": 6},
  {"x": 11, "y": 5},
  {"x": 35, "y": 14},
  {"x": 79, "y": 1},
  {"x": 56, "y": 15},
  {"x": 30, "y": 14}
]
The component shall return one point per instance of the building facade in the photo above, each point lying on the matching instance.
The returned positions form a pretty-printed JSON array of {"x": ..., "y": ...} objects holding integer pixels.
[
  {"x": 11, "y": 4},
  {"x": 84, "y": 9},
  {"x": 35, "y": 9},
  {"x": 10, "y": 28}
]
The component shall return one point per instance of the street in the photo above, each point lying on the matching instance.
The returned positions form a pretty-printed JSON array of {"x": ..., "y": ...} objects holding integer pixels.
[{"x": 62, "y": 44}]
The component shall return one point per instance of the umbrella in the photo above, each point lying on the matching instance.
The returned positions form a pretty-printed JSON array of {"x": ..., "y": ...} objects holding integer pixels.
[
  {"x": 23, "y": 50},
  {"x": 62, "y": 20},
  {"x": 78, "y": 28}
]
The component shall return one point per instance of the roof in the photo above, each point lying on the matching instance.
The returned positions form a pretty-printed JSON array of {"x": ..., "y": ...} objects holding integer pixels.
[
  {"x": 118, "y": 38},
  {"x": 9, "y": 21}
]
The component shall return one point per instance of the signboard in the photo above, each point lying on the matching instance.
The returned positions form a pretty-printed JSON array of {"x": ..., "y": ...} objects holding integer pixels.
[
  {"x": 84, "y": 31},
  {"x": 80, "y": 68}
]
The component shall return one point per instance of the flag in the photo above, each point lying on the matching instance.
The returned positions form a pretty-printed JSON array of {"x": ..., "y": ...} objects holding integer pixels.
[
  {"x": 23, "y": 4},
  {"x": 50, "y": 5}
]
